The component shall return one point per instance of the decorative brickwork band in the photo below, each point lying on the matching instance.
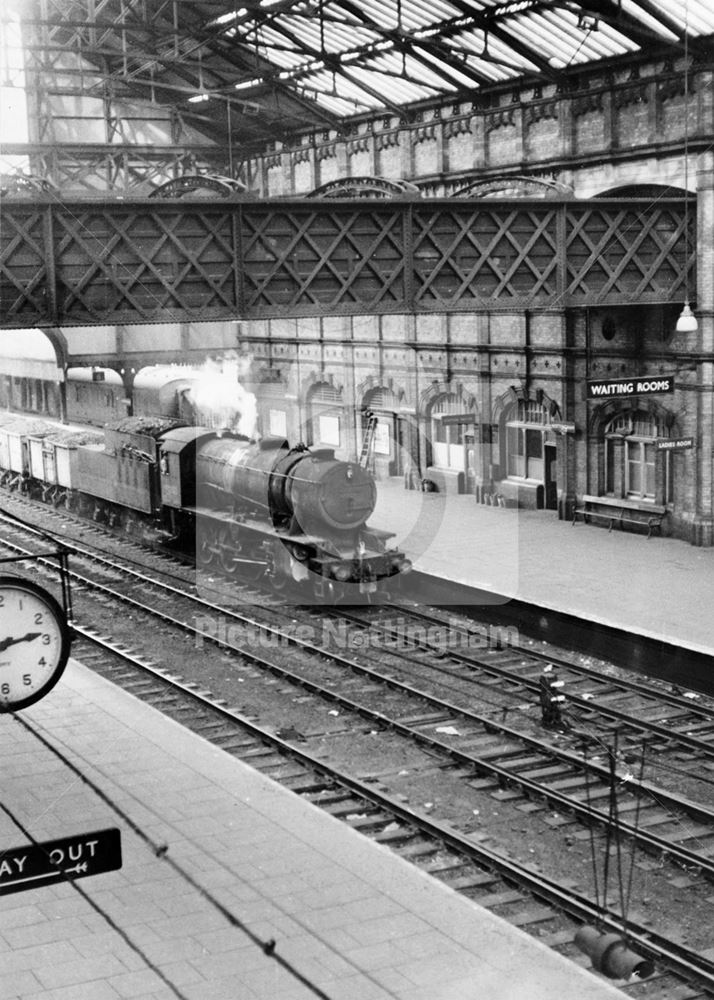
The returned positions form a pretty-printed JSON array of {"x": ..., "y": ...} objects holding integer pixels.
[
  {"x": 538, "y": 112},
  {"x": 499, "y": 119},
  {"x": 630, "y": 95},
  {"x": 587, "y": 103},
  {"x": 457, "y": 126}
]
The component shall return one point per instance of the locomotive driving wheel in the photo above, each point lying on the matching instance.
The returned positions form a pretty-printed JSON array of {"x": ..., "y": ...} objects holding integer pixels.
[
  {"x": 228, "y": 548},
  {"x": 205, "y": 544},
  {"x": 276, "y": 566}
]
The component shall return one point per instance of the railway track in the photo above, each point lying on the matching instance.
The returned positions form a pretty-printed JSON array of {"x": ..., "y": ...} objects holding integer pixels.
[
  {"x": 530, "y": 901},
  {"x": 499, "y": 759},
  {"x": 655, "y": 717}
]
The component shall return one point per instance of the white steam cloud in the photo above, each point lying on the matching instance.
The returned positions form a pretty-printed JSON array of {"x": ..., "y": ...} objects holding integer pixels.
[{"x": 221, "y": 400}]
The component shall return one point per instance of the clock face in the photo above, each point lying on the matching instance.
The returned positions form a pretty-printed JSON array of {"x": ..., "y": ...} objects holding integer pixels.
[{"x": 34, "y": 643}]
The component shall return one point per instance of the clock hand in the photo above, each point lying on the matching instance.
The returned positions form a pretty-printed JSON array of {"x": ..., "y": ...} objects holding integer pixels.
[{"x": 10, "y": 641}]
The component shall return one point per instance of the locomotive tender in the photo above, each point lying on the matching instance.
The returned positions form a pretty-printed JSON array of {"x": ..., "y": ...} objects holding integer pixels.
[{"x": 295, "y": 514}]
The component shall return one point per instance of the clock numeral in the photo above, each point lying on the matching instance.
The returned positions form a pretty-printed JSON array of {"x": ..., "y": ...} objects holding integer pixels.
[
  {"x": 27, "y": 679},
  {"x": 42, "y": 662},
  {"x": 4, "y": 689},
  {"x": 46, "y": 639},
  {"x": 38, "y": 618}
]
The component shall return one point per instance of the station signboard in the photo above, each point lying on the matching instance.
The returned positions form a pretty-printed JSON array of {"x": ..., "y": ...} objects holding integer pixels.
[
  {"x": 59, "y": 860},
  {"x": 675, "y": 444},
  {"x": 640, "y": 385}
]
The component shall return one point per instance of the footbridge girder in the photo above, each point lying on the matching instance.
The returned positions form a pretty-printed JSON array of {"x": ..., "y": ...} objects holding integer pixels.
[{"x": 81, "y": 263}]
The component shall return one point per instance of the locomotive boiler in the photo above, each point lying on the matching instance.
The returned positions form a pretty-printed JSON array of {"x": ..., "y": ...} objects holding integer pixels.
[{"x": 300, "y": 512}]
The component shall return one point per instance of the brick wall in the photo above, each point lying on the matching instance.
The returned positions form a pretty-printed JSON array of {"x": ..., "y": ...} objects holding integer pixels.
[{"x": 613, "y": 114}]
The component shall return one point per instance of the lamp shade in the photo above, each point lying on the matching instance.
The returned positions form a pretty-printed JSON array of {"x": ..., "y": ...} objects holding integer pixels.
[{"x": 687, "y": 322}]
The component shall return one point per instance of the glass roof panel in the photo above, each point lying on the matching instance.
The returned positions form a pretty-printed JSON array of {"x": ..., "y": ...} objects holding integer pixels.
[
  {"x": 452, "y": 33},
  {"x": 327, "y": 59},
  {"x": 699, "y": 14}
]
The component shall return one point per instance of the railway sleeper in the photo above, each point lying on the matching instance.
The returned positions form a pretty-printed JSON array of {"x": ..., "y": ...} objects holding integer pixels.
[
  {"x": 327, "y": 794},
  {"x": 419, "y": 849},
  {"x": 494, "y": 751},
  {"x": 465, "y": 882},
  {"x": 590, "y": 792},
  {"x": 703, "y": 728},
  {"x": 569, "y": 781},
  {"x": 481, "y": 743},
  {"x": 525, "y": 762},
  {"x": 216, "y": 727},
  {"x": 556, "y": 939},
  {"x": 482, "y": 784},
  {"x": 305, "y": 784},
  {"x": 552, "y": 770},
  {"x": 352, "y": 809},
  {"x": 157, "y": 694},
  {"x": 692, "y": 831},
  {"x": 447, "y": 864},
  {"x": 669, "y": 990},
  {"x": 233, "y": 743},
  {"x": 366, "y": 822},
  {"x": 649, "y": 815},
  {"x": 395, "y": 835},
  {"x": 507, "y": 794},
  {"x": 272, "y": 767},
  {"x": 256, "y": 752},
  {"x": 504, "y": 898},
  {"x": 533, "y": 915},
  {"x": 165, "y": 699}
]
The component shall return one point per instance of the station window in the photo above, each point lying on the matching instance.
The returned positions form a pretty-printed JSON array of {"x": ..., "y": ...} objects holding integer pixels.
[
  {"x": 325, "y": 413},
  {"x": 278, "y": 422},
  {"x": 447, "y": 438},
  {"x": 526, "y": 434},
  {"x": 635, "y": 465}
]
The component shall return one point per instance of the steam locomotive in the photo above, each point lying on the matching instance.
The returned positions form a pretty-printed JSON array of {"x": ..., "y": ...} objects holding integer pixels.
[{"x": 296, "y": 515}]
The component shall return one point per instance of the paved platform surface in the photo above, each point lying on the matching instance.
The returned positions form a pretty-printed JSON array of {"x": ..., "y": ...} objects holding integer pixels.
[
  {"x": 244, "y": 857},
  {"x": 660, "y": 587}
]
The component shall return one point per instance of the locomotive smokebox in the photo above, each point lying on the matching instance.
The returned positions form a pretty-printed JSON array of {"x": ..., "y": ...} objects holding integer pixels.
[{"x": 324, "y": 492}]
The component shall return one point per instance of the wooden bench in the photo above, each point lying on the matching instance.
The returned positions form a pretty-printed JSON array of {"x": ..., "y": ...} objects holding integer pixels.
[{"x": 620, "y": 511}]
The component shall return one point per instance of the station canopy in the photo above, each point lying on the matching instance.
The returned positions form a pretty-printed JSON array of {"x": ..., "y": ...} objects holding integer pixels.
[{"x": 261, "y": 70}]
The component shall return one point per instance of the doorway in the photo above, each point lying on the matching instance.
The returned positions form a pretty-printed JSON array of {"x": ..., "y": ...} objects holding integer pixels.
[{"x": 550, "y": 472}]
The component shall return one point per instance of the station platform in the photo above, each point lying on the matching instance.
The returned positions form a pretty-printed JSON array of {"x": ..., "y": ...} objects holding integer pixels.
[
  {"x": 662, "y": 588},
  {"x": 231, "y": 887}
]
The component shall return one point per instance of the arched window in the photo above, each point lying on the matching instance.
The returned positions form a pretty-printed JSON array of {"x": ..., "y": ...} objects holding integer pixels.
[
  {"x": 633, "y": 463},
  {"x": 527, "y": 431}
]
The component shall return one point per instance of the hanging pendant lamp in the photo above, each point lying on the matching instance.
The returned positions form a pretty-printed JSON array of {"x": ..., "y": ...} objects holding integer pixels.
[{"x": 687, "y": 322}]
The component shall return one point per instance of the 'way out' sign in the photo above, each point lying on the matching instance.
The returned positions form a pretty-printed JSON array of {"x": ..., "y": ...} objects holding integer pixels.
[
  {"x": 58, "y": 860},
  {"x": 641, "y": 385}
]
